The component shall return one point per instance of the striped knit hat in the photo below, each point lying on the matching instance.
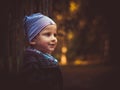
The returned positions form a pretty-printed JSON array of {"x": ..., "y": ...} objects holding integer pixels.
[{"x": 34, "y": 24}]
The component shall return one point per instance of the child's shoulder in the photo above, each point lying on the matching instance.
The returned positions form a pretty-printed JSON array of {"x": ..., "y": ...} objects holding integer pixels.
[
  {"x": 42, "y": 60},
  {"x": 29, "y": 53},
  {"x": 30, "y": 56}
]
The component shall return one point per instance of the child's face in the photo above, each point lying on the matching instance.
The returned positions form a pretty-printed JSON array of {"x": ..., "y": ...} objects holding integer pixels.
[{"x": 46, "y": 40}]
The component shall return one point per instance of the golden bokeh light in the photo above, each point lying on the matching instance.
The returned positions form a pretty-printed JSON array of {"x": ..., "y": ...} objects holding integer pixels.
[
  {"x": 70, "y": 35},
  {"x": 73, "y": 6},
  {"x": 64, "y": 49},
  {"x": 80, "y": 62},
  {"x": 59, "y": 17},
  {"x": 63, "y": 60},
  {"x": 63, "y": 56}
]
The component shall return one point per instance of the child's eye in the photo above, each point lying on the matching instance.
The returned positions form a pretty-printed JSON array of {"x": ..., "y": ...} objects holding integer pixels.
[{"x": 47, "y": 34}]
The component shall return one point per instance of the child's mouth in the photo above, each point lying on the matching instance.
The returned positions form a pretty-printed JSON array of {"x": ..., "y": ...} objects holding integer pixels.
[{"x": 52, "y": 45}]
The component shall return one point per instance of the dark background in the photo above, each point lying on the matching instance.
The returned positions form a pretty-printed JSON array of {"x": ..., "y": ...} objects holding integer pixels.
[{"x": 91, "y": 77}]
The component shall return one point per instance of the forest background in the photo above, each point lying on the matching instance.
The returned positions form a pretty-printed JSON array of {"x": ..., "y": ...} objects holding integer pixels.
[{"x": 87, "y": 31}]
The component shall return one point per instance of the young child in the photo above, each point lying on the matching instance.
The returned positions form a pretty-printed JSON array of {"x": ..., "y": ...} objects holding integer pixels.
[{"x": 40, "y": 70}]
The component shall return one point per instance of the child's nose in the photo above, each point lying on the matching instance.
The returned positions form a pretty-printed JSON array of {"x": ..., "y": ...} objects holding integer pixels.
[{"x": 53, "y": 38}]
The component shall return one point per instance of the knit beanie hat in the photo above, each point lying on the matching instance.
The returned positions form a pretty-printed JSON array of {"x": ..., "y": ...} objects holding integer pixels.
[{"x": 34, "y": 24}]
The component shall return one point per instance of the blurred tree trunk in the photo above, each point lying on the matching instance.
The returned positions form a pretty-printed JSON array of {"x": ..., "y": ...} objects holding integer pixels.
[
  {"x": 110, "y": 11},
  {"x": 4, "y": 36}
]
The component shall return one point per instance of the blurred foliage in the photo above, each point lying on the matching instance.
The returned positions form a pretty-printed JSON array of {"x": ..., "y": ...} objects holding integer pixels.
[{"x": 81, "y": 28}]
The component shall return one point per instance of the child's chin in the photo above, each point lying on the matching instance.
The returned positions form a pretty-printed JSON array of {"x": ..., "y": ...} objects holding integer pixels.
[{"x": 52, "y": 50}]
